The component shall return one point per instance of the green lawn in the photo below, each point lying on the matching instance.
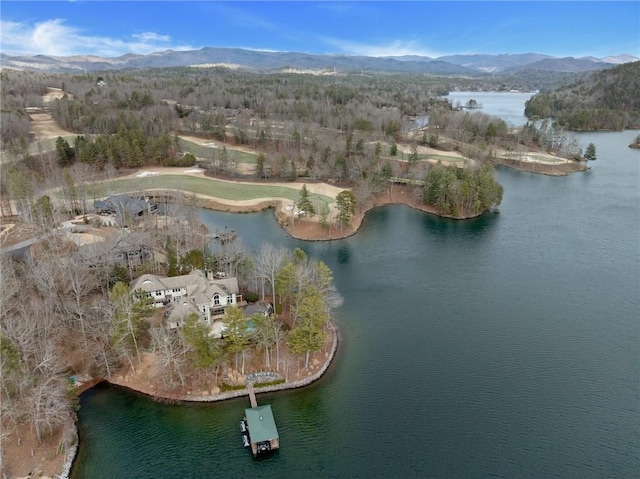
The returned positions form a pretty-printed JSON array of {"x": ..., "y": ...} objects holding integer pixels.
[
  {"x": 206, "y": 152},
  {"x": 198, "y": 185}
]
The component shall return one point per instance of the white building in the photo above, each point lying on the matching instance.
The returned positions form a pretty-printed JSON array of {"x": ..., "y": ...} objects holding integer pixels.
[{"x": 190, "y": 293}]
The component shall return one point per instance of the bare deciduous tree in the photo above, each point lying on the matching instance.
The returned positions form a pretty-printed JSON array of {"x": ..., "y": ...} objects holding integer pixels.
[
  {"x": 171, "y": 352},
  {"x": 268, "y": 261}
]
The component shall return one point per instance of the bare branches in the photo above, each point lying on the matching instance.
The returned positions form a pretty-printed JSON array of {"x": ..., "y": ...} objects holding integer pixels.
[
  {"x": 269, "y": 260},
  {"x": 170, "y": 351}
]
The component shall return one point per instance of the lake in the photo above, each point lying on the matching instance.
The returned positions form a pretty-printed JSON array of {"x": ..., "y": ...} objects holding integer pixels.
[
  {"x": 507, "y": 105},
  {"x": 507, "y": 346}
]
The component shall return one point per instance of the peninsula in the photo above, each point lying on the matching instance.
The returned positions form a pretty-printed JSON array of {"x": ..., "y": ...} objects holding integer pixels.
[{"x": 101, "y": 180}]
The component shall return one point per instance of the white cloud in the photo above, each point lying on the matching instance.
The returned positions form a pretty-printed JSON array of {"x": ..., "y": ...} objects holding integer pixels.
[
  {"x": 55, "y": 38},
  {"x": 151, "y": 37},
  {"x": 394, "y": 48}
]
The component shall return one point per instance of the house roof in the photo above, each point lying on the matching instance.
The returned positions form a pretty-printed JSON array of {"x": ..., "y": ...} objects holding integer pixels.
[
  {"x": 262, "y": 425},
  {"x": 148, "y": 283},
  {"x": 176, "y": 312},
  {"x": 199, "y": 288},
  {"x": 104, "y": 249},
  {"x": 121, "y": 205}
]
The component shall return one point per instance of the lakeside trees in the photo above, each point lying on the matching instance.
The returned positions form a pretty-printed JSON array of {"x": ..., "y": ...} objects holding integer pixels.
[
  {"x": 461, "y": 191},
  {"x": 127, "y": 314},
  {"x": 59, "y": 320},
  {"x": 305, "y": 205}
]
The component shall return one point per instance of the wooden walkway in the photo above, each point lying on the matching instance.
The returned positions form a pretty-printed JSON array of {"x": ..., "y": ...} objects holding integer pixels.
[{"x": 252, "y": 395}]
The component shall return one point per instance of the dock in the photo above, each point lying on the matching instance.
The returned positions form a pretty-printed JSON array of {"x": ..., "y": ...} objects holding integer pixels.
[
  {"x": 225, "y": 236},
  {"x": 252, "y": 395},
  {"x": 258, "y": 427}
]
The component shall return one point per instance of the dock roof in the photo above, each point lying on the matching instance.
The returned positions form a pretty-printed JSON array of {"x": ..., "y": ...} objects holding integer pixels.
[{"x": 262, "y": 425}]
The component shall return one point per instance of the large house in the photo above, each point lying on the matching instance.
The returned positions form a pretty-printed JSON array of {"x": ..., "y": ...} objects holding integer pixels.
[
  {"x": 128, "y": 251},
  {"x": 125, "y": 208},
  {"x": 189, "y": 293}
]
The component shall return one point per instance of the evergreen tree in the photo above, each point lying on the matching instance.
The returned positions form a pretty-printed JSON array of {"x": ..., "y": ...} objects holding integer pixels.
[
  {"x": 260, "y": 165},
  {"x": 204, "y": 351},
  {"x": 393, "y": 150},
  {"x": 64, "y": 151},
  {"x": 413, "y": 156},
  {"x": 235, "y": 334},
  {"x": 346, "y": 203},
  {"x": 590, "y": 152},
  {"x": 304, "y": 203},
  {"x": 309, "y": 335}
]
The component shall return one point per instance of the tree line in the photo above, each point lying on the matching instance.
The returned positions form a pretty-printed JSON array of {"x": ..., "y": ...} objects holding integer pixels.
[{"x": 325, "y": 128}]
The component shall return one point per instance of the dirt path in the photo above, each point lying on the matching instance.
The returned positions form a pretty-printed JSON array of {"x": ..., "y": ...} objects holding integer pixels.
[{"x": 44, "y": 127}]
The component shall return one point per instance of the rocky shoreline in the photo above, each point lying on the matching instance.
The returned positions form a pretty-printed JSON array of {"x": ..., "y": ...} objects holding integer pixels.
[{"x": 117, "y": 381}]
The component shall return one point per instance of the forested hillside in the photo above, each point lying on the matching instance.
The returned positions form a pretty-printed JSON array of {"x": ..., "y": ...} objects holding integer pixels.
[{"x": 609, "y": 99}]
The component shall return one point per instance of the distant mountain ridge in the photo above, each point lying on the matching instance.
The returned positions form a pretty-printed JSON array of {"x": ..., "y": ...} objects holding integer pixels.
[{"x": 471, "y": 65}]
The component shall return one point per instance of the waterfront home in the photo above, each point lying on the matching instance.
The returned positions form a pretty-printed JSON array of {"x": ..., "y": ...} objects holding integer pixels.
[
  {"x": 124, "y": 208},
  {"x": 190, "y": 293},
  {"x": 128, "y": 251}
]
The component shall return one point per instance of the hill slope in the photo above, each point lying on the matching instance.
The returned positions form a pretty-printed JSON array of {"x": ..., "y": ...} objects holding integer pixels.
[{"x": 608, "y": 99}]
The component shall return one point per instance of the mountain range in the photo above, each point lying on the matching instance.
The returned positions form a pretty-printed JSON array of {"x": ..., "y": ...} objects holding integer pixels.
[{"x": 470, "y": 65}]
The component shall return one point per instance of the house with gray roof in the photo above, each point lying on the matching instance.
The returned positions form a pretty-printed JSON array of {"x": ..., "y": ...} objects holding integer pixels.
[
  {"x": 128, "y": 250},
  {"x": 125, "y": 208},
  {"x": 190, "y": 293}
]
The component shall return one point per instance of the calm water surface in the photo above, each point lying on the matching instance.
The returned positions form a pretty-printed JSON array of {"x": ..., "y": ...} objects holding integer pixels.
[
  {"x": 508, "y": 106},
  {"x": 505, "y": 346}
]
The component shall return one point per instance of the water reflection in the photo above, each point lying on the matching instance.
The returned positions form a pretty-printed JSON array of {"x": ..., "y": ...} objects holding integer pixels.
[
  {"x": 343, "y": 254},
  {"x": 475, "y": 228}
]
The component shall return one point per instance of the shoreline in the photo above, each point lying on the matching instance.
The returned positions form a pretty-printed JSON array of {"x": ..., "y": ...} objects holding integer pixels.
[
  {"x": 307, "y": 230},
  {"x": 562, "y": 169},
  {"x": 223, "y": 396},
  {"x": 71, "y": 456},
  {"x": 312, "y": 230}
]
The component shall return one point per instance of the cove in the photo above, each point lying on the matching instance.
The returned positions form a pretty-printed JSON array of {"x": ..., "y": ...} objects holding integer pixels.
[{"x": 506, "y": 345}]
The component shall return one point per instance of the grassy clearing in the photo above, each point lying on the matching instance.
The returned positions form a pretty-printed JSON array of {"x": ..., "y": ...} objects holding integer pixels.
[
  {"x": 201, "y": 186},
  {"x": 207, "y": 152},
  {"x": 49, "y": 144}
]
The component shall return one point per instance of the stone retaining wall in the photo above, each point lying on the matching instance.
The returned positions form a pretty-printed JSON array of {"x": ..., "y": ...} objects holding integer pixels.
[
  {"x": 68, "y": 462},
  {"x": 276, "y": 387},
  {"x": 66, "y": 470}
]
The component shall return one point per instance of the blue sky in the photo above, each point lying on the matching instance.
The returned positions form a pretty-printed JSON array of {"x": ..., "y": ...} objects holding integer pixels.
[{"x": 375, "y": 28}]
